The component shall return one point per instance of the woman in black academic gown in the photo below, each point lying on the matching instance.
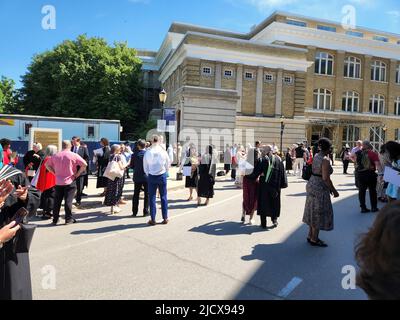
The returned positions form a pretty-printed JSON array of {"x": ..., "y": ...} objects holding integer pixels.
[
  {"x": 207, "y": 171},
  {"x": 15, "y": 277},
  {"x": 271, "y": 171},
  {"x": 102, "y": 163}
]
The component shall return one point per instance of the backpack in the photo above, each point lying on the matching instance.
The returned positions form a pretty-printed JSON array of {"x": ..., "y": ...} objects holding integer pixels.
[{"x": 363, "y": 163}]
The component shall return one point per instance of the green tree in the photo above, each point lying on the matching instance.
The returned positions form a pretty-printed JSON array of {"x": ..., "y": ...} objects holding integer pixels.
[
  {"x": 86, "y": 78},
  {"x": 8, "y": 96}
]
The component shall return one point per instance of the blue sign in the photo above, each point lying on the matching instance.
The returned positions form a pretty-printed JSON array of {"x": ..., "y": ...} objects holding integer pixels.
[{"x": 169, "y": 115}]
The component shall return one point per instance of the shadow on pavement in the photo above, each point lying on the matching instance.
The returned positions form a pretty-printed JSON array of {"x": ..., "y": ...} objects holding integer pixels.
[
  {"x": 227, "y": 228},
  {"x": 110, "y": 229},
  {"x": 319, "y": 268}
]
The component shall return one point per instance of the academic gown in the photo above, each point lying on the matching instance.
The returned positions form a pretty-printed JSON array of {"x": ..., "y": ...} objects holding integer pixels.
[
  {"x": 269, "y": 194},
  {"x": 15, "y": 276}
]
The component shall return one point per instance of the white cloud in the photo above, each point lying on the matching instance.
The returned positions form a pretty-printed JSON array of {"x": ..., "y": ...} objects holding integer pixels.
[{"x": 394, "y": 13}]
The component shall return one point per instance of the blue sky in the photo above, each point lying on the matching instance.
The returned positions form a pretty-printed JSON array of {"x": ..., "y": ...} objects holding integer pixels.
[{"x": 144, "y": 23}]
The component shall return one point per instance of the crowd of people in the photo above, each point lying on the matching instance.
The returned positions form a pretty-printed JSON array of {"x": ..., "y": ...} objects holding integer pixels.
[{"x": 52, "y": 176}]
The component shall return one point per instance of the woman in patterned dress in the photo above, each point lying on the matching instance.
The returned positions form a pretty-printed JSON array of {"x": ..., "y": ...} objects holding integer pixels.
[
  {"x": 114, "y": 188},
  {"x": 318, "y": 212}
]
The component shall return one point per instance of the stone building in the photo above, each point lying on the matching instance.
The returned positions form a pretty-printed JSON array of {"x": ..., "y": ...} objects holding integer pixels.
[{"x": 320, "y": 79}]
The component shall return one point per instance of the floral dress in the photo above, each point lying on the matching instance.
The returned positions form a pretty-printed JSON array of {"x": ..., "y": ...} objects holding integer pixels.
[{"x": 318, "y": 212}]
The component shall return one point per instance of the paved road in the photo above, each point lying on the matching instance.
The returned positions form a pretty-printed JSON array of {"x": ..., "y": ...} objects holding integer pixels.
[{"x": 204, "y": 253}]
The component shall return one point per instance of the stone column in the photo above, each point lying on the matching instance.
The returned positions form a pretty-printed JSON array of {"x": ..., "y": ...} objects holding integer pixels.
[
  {"x": 239, "y": 87},
  {"x": 259, "y": 93},
  {"x": 279, "y": 93},
  {"x": 218, "y": 75}
]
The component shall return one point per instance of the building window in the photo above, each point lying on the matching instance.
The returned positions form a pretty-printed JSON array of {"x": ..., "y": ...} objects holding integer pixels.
[
  {"x": 398, "y": 42},
  {"x": 355, "y": 34},
  {"x": 288, "y": 80},
  {"x": 249, "y": 75},
  {"x": 296, "y": 23},
  {"x": 352, "y": 67},
  {"x": 398, "y": 74},
  {"x": 351, "y": 101},
  {"x": 351, "y": 134},
  {"x": 27, "y": 128},
  {"x": 397, "y": 135},
  {"x": 381, "y": 38},
  {"x": 326, "y": 28},
  {"x": 324, "y": 63},
  {"x": 397, "y": 106},
  {"x": 377, "y": 137},
  {"x": 377, "y": 104},
  {"x": 91, "y": 132},
  {"x": 206, "y": 71},
  {"x": 228, "y": 73},
  {"x": 269, "y": 77},
  {"x": 322, "y": 99},
  {"x": 378, "y": 71}
]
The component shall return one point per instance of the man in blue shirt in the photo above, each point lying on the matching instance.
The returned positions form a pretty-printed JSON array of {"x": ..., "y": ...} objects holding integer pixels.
[{"x": 140, "y": 179}]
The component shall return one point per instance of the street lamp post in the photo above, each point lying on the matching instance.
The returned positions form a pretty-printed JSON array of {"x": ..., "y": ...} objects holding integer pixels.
[
  {"x": 282, "y": 131},
  {"x": 163, "y": 98}
]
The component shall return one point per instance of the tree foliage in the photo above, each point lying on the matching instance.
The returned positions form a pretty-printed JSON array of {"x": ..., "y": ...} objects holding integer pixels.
[
  {"x": 8, "y": 96},
  {"x": 85, "y": 78}
]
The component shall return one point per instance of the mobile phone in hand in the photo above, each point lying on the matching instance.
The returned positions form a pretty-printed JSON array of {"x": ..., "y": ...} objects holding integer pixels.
[{"x": 20, "y": 216}]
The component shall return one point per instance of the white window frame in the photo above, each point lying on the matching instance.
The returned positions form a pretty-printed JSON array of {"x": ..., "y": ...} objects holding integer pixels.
[
  {"x": 397, "y": 135},
  {"x": 269, "y": 75},
  {"x": 380, "y": 38},
  {"x": 322, "y": 98},
  {"x": 352, "y": 96},
  {"x": 206, "y": 74},
  {"x": 354, "y": 62},
  {"x": 96, "y": 131},
  {"x": 249, "y": 73},
  {"x": 398, "y": 74},
  {"x": 377, "y": 137},
  {"x": 327, "y": 57},
  {"x": 379, "y": 67},
  {"x": 290, "y": 78},
  {"x": 397, "y": 106},
  {"x": 380, "y": 100},
  {"x": 227, "y": 76},
  {"x": 296, "y": 23},
  {"x": 351, "y": 134}
]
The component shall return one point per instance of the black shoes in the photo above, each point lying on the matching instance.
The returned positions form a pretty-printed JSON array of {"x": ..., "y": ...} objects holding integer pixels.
[
  {"x": 319, "y": 243},
  {"x": 365, "y": 210},
  {"x": 375, "y": 210},
  {"x": 71, "y": 221},
  {"x": 275, "y": 223}
]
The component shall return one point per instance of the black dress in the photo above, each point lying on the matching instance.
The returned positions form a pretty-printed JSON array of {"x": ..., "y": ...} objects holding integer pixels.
[
  {"x": 289, "y": 162},
  {"x": 191, "y": 182},
  {"x": 102, "y": 163},
  {"x": 15, "y": 276}
]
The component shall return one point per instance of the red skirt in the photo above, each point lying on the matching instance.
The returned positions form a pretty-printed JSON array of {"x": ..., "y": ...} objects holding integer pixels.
[{"x": 250, "y": 195}]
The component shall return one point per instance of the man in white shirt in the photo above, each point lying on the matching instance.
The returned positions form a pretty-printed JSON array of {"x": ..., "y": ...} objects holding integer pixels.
[{"x": 156, "y": 164}]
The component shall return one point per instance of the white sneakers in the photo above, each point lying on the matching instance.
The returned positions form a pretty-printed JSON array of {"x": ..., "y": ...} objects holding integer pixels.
[{"x": 115, "y": 210}]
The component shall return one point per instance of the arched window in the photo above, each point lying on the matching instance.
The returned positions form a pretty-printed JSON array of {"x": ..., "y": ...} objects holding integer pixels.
[
  {"x": 352, "y": 67},
  {"x": 398, "y": 74},
  {"x": 351, "y": 101},
  {"x": 397, "y": 106},
  {"x": 324, "y": 63},
  {"x": 377, "y": 104},
  {"x": 378, "y": 71},
  {"x": 322, "y": 99}
]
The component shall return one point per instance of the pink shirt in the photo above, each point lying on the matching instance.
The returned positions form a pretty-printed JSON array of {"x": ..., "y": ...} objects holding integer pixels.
[{"x": 65, "y": 165}]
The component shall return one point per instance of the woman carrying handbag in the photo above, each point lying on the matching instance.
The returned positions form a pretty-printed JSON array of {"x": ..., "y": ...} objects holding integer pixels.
[{"x": 114, "y": 172}]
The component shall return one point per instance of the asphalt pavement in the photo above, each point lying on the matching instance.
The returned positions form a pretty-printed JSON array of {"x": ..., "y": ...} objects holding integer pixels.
[{"x": 204, "y": 253}]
